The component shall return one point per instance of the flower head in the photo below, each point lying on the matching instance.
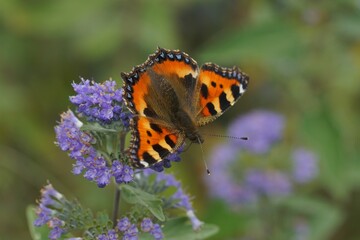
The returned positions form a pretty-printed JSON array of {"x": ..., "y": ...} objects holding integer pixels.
[
  {"x": 305, "y": 166},
  {"x": 70, "y": 138},
  {"x": 102, "y": 103},
  {"x": 263, "y": 128},
  {"x": 157, "y": 232},
  {"x": 146, "y": 225},
  {"x": 50, "y": 200},
  {"x": 123, "y": 224}
]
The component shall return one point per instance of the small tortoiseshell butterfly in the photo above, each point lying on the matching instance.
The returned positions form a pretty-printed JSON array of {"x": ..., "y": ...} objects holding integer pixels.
[{"x": 171, "y": 98}]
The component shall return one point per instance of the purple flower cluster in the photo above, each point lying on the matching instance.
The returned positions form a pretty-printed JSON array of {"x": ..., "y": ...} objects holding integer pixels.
[
  {"x": 110, "y": 235},
  {"x": 50, "y": 199},
  {"x": 102, "y": 103},
  {"x": 79, "y": 145},
  {"x": 181, "y": 199},
  {"x": 130, "y": 230},
  {"x": 154, "y": 229},
  {"x": 238, "y": 182},
  {"x": 263, "y": 128},
  {"x": 301, "y": 230},
  {"x": 305, "y": 165},
  {"x": 269, "y": 183}
]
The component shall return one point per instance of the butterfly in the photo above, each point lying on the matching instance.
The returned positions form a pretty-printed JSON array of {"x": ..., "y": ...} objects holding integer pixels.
[{"x": 170, "y": 97}]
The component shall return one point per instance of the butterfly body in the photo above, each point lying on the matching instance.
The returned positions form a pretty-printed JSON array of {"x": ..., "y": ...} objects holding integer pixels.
[{"x": 171, "y": 98}]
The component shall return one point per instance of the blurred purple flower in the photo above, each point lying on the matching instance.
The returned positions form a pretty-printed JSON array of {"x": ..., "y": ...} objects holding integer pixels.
[
  {"x": 263, "y": 128},
  {"x": 50, "y": 199},
  {"x": 301, "y": 230},
  {"x": 154, "y": 229},
  {"x": 157, "y": 232},
  {"x": 79, "y": 145},
  {"x": 102, "y": 103},
  {"x": 271, "y": 183},
  {"x": 123, "y": 224},
  {"x": 226, "y": 182},
  {"x": 221, "y": 182},
  {"x": 110, "y": 235},
  {"x": 57, "y": 230},
  {"x": 146, "y": 225},
  {"x": 131, "y": 232},
  {"x": 305, "y": 165}
]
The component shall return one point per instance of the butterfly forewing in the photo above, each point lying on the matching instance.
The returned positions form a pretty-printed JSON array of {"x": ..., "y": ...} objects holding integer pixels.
[{"x": 220, "y": 88}]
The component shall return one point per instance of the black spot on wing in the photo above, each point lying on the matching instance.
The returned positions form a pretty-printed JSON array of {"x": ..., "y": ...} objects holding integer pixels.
[
  {"x": 213, "y": 84},
  {"x": 169, "y": 141},
  {"x": 148, "y": 158},
  {"x": 211, "y": 108},
  {"x": 189, "y": 81},
  {"x": 224, "y": 103},
  {"x": 160, "y": 150},
  {"x": 235, "y": 90},
  {"x": 155, "y": 127},
  {"x": 148, "y": 133},
  {"x": 204, "y": 91},
  {"x": 149, "y": 112}
]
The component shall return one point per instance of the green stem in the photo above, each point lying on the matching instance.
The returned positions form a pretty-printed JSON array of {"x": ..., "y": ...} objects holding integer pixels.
[
  {"x": 117, "y": 191},
  {"x": 116, "y": 205}
]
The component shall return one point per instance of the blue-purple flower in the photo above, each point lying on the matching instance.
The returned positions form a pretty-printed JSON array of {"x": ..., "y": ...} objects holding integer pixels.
[
  {"x": 79, "y": 144},
  {"x": 263, "y": 128},
  {"x": 222, "y": 182},
  {"x": 305, "y": 166},
  {"x": 154, "y": 229},
  {"x": 166, "y": 163},
  {"x": 131, "y": 231},
  {"x": 240, "y": 177},
  {"x": 239, "y": 186},
  {"x": 110, "y": 235},
  {"x": 271, "y": 183},
  {"x": 50, "y": 200},
  {"x": 102, "y": 103}
]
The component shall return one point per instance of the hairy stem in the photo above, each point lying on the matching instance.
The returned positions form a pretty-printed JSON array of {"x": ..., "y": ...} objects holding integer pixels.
[
  {"x": 116, "y": 205},
  {"x": 117, "y": 191}
]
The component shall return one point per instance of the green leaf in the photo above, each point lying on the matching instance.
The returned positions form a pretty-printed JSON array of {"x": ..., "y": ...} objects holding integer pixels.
[
  {"x": 181, "y": 229},
  {"x": 36, "y": 233},
  {"x": 97, "y": 128},
  {"x": 137, "y": 196}
]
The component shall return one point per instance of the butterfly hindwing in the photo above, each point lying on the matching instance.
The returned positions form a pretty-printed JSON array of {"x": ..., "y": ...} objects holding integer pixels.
[
  {"x": 220, "y": 88},
  {"x": 151, "y": 141}
]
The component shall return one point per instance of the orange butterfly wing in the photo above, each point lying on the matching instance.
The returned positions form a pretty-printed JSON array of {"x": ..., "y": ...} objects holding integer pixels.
[{"x": 220, "y": 88}]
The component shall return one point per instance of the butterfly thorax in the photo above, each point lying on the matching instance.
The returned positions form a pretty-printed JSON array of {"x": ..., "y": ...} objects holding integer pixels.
[{"x": 184, "y": 122}]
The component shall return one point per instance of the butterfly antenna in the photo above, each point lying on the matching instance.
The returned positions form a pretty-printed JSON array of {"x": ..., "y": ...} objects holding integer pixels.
[
  {"x": 225, "y": 136},
  {"x": 202, "y": 155}
]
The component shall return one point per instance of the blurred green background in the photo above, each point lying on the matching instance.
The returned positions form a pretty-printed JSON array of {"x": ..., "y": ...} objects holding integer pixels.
[{"x": 303, "y": 58}]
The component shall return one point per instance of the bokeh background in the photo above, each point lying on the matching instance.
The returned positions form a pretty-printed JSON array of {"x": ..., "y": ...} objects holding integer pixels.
[{"x": 303, "y": 58}]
